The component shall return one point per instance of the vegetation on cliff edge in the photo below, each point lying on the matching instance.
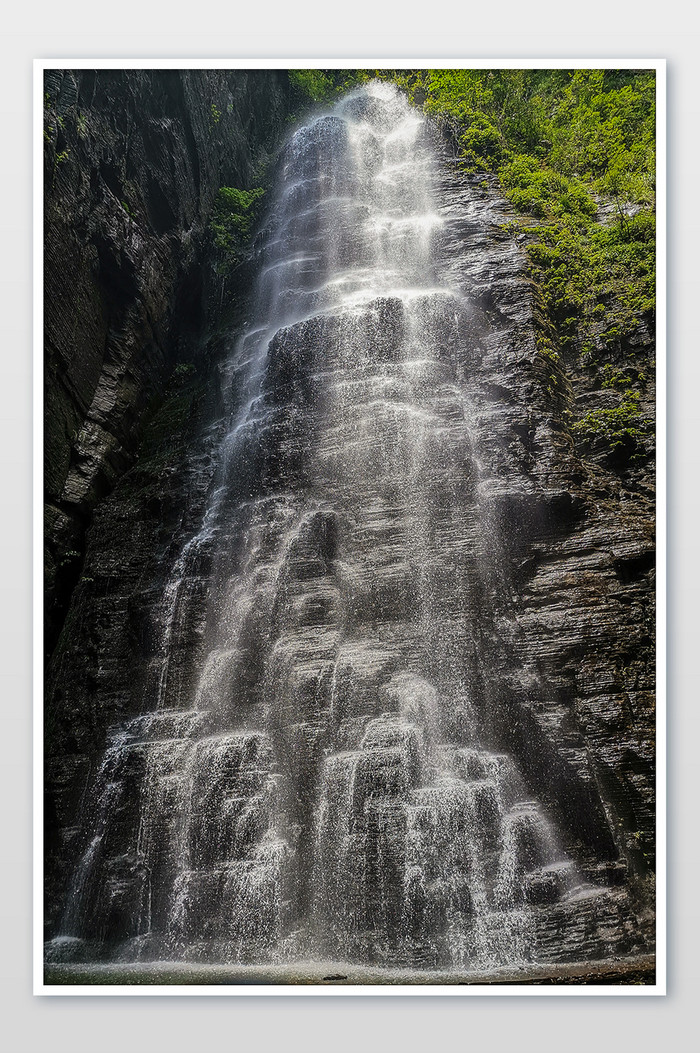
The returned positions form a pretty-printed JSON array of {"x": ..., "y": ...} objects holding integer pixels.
[
  {"x": 574, "y": 152},
  {"x": 233, "y": 217}
]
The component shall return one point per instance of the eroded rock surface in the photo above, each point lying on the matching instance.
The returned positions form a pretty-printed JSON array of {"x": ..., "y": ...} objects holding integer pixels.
[{"x": 132, "y": 163}]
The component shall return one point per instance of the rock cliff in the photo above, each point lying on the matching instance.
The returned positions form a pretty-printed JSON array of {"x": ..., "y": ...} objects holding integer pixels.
[
  {"x": 132, "y": 163},
  {"x": 565, "y": 613}
]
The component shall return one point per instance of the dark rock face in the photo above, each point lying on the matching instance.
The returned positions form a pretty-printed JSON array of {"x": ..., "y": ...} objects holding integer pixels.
[
  {"x": 360, "y": 665},
  {"x": 581, "y": 538},
  {"x": 133, "y": 160}
]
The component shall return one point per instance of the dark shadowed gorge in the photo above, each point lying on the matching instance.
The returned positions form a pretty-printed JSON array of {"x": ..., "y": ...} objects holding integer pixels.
[{"x": 349, "y": 530}]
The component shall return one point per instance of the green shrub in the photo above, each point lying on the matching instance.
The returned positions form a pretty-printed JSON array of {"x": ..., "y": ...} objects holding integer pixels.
[
  {"x": 622, "y": 426},
  {"x": 536, "y": 188},
  {"x": 558, "y": 140},
  {"x": 313, "y": 84},
  {"x": 480, "y": 142},
  {"x": 234, "y": 215}
]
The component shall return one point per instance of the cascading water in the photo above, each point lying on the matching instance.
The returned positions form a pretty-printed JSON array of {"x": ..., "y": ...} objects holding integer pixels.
[{"x": 319, "y": 776}]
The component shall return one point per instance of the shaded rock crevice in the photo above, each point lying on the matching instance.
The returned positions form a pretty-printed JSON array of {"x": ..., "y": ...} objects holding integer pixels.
[{"x": 132, "y": 162}]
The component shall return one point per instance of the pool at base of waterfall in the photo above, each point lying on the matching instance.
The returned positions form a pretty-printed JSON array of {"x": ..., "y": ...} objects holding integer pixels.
[{"x": 636, "y": 970}]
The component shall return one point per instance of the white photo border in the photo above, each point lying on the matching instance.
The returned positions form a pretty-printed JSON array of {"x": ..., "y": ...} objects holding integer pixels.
[{"x": 462, "y": 990}]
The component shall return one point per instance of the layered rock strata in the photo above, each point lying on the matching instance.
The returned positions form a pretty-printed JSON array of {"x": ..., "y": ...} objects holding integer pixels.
[{"x": 132, "y": 163}]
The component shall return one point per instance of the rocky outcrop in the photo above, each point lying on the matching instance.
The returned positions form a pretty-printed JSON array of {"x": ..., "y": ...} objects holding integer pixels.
[
  {"x": 577, "y": 525},
  {"x": 132, "y": 162}
]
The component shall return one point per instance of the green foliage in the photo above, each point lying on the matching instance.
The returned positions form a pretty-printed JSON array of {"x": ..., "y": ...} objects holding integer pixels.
[
  {"x": 215, "y": 113},
  {"x": 533, "y": 187},
  {"x": 596, "y": 278},
  {"x": 234, "y": 215},
  {"x": 621, "y": 379},
  {"x": 457, "y": 94},
  {"x": 563, "y": 143},
  {"x": 480, "y": 143},
  {"x": 622, "y": 427},
  {"x": 594, "y": 124},
  {"x": 410, "y": 81},
  {"x": 324, "y": 85},
  {"x": 545, "y": 348},
  {"x": 321, "y": 85},
  {"x": 312, "y": 83},
  {"x": 184, "y": 369},
  {"x": 604, "y": 130},
  {"x": 558, "y": 140}
]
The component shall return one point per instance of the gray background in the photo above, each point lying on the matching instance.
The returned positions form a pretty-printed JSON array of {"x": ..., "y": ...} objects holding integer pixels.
[{"x": 440, "y": 29}]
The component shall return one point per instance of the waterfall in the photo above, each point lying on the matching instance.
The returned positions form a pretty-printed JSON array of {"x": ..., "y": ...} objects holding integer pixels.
[{"x": 319, "y": 772}]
